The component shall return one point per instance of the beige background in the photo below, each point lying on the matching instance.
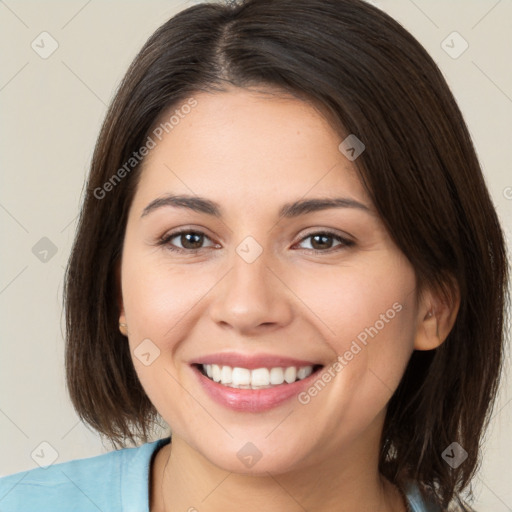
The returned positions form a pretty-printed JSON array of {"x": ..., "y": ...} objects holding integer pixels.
[{"x": 51, "y": 113}]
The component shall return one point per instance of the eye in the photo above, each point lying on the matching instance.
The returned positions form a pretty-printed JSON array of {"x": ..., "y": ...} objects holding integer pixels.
[
  {"x": 190, "y": 240},
  {"x": 322, "y": 241}
]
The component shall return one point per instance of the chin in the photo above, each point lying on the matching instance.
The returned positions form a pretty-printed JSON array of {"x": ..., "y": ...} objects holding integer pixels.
[{"x": 254, "y": 458}]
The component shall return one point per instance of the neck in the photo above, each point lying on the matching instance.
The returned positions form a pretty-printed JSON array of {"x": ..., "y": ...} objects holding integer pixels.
[{"x": 183, "y": 480}]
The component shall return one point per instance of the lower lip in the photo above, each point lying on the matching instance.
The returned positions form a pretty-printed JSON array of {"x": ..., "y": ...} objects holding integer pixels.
[{"x": 252, "y": 400}]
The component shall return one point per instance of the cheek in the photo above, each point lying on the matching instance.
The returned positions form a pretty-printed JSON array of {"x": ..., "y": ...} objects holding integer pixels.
[
  {"x": 161, "y": 305},
  {"x": 355, "y": 300},
  {"x": 366, "y": 314},
  {"x": 157, "y": 297}
]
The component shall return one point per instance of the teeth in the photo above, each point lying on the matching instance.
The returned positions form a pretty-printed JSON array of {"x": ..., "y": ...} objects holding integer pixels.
[
  {"x": 216, "y": 373},
  {"x": 290, "y": 374},
  {"x": 240, "y": 376},
  {"x": 226, "y": 374},
  {"x": 259, "y": 378},
  {"x": 302, "y": 373},
  {"x": 276, "y": 376}
]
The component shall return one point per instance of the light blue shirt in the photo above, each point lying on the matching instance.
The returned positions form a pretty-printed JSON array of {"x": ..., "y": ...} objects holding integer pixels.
[{"x": 117, "y": 481}]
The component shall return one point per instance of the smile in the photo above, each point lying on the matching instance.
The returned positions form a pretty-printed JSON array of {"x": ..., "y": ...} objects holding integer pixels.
[
  {"x": 253, "y": 383},
  {"x": 259, "y": 378}
]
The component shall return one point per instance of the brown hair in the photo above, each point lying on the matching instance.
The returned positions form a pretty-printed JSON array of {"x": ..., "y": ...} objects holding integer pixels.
[{"x": 420, "y": 169}]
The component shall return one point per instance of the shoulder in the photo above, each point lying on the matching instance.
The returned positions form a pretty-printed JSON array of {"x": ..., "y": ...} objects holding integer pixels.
[
  {"x": 418, "y": 503},
  {"x": 117, "y": 480}
]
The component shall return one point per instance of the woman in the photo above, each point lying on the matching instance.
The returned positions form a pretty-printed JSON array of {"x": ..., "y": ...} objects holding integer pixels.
[{"x": 287, "y": 252}]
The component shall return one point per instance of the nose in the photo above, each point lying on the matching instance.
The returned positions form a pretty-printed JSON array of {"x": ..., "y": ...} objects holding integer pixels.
[{"x": 252, "y": 298}]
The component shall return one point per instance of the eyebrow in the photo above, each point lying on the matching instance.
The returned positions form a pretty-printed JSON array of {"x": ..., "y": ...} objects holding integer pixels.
[{"x": 288, "y": 210}]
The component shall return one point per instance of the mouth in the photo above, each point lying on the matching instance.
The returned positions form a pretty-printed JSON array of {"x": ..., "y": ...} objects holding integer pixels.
[
  {"x": 253, "y": 382},
  {"x": 257, "y": 378}
]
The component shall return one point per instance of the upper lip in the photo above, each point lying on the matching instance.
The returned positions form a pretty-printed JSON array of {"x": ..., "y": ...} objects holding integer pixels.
[{"x": 252, "y": 361}]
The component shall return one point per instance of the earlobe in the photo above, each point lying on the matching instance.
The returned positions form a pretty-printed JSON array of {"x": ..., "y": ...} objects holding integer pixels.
[
  {"x": 435, "y": 321},
  {"x": 123, "y": 328},
  {"x": 428, "y": 336}
]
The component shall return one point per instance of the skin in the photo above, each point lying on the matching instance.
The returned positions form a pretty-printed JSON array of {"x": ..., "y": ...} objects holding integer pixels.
[{"x": 251, "y": 153}]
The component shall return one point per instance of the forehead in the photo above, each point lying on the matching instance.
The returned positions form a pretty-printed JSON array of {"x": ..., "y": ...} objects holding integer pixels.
[{"x": 262, "y": 146}]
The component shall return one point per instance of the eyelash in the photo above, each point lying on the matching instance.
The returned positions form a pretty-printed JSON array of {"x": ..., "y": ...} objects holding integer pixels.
[{"x": 165, "y": 241}]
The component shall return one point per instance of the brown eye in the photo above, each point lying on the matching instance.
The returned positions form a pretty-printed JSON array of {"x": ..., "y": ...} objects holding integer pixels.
[
  {"x": 319, "y": 242},
  {"x": 191, "y": 240},
  {"x": 323, "y": 241},
  {"x": 185, "y": 241}
]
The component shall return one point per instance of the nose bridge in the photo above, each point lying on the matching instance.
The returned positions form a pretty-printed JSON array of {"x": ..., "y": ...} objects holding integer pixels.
[{"x": 250, "y": 294}]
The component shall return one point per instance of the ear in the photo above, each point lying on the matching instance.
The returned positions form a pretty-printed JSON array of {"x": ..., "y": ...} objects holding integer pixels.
[
  {"x": 119, "y": 293},
  {"x": 436, "y": 317}
]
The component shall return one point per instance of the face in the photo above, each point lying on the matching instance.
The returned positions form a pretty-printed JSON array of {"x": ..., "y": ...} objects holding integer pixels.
[{"x": 250, "y": 286}]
